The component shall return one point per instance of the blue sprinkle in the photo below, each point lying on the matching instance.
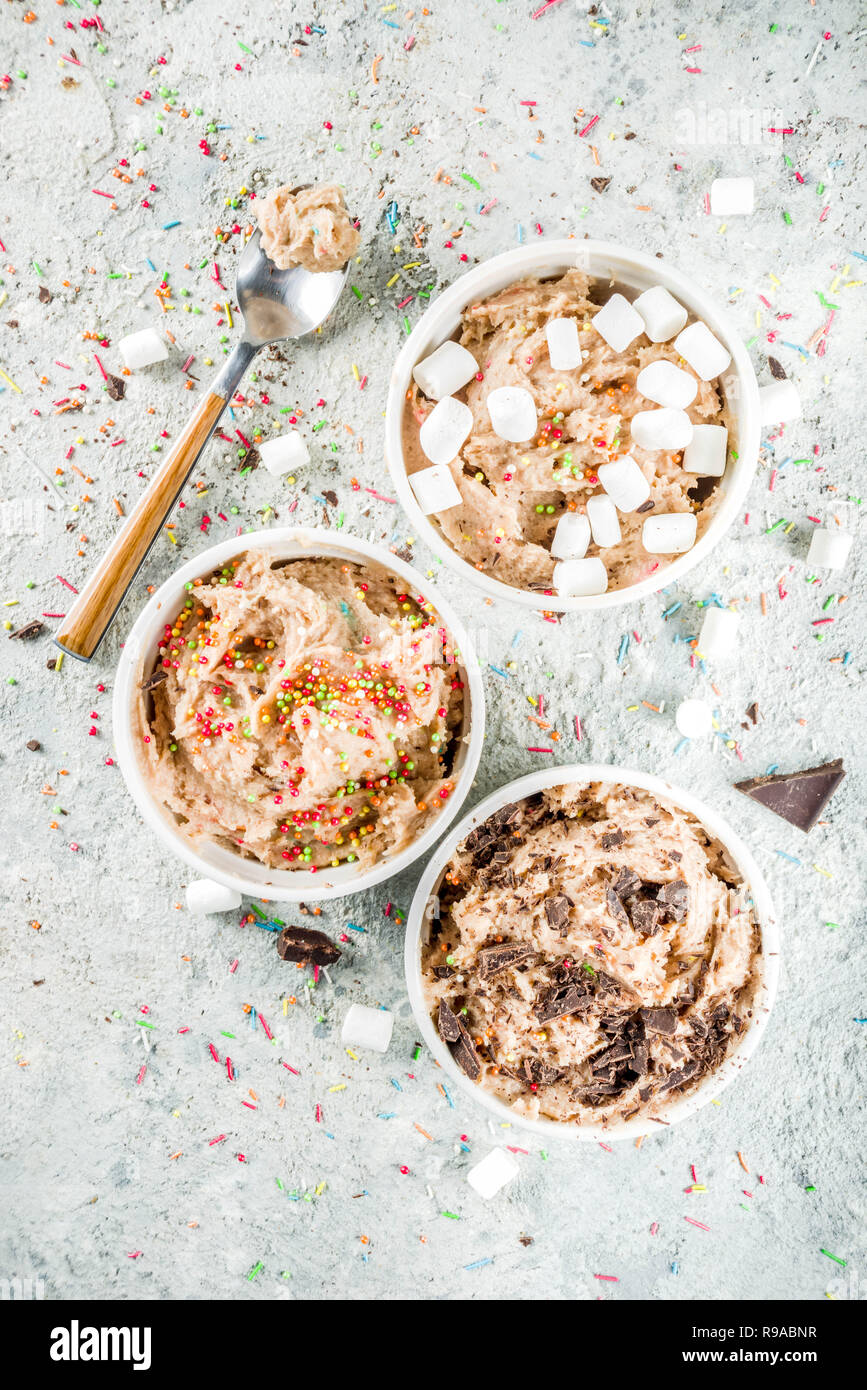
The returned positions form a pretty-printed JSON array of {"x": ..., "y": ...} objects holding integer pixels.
[
  {"x": 533, "y": 154},
  {"x": 519, "y": 634},
  {"x": 504, "y": 674},
  {"x": 396, "y": 1084},
  {"x": 796, "y": 347},
  {"x": 680, "y": 747},
  {"x": 353, "y": 927},
  {"x": 860, "y": 255},
  {"x": 673, "y": 609},
  {"x": 791, "y": 858},
  {"x": 773, "y": 767},
  {"x": 387, "y": 1115},
  {"x": 447, "y": 1096},
  {"x": 151, "y": 264},
  {"x": 624, "y": 648},
  {"x": 847, "y": 656},
  {"x": 674, "y": 1267},
  {"x": 520, "y": 233},
  {"x": 167, "y": 226},
  {"x": 477, "y": 1264}
]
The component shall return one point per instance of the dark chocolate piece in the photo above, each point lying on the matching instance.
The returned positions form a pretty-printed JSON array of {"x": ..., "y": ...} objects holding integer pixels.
[
  {"x": 557, "y": 910},
  {"x": 599, "y": 184},
  {"x": 674, "y": 900},
  {"x": 494, "y": 958},
  {"x": 777, "y": 369},
  {"x": 448, "y": 1023},
  {"x": 626, "y": 882},
  {"x": 31, "y": 629},
  {"x": 613, "y": 840},
  {"x": 615, "y": 906},
  {"x": 306, "y": 946},
  {"x": 34, "y": 745},
  {"x": 644, "y": 915},
  {"x": 115, "y": 386},
  {"x": 647, "y": 506},
  {"x": 557, "y": 1003},
  {"x": 659, "y": 1020},
  {"x": 798, "y": 797},
  {"x": 154, "y": 679}
]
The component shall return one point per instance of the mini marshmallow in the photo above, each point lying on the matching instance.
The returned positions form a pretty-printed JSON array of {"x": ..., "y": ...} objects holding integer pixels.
[
  {"x": 435, "y": 489},
  {"x": 445, "y": 430},
  {"x": 704, "y": 353},
  {"x": 829, "y": 549},
  {"x": 706, "y": 452},
  {"x": 779, "y": 401},
  {"x": 667, "y": 385},
  {"x": 732, "y": 197},
  {"x": 513, "y": 413},
  {"x": 718, "y": 634},
  {"x": 694, "y": 718},
  {"x": 204, "y": 896},
  {"x": 564, "y": 349},
  {"x": 365, "y": 1027},
  {"x": 446, "y": 370},
  {"x": 285, "y": 453},
  {"x": 661, "y": 314},
  {"x": 661, "y": 429},
  {"x": 602, "y": 515},
  {"x": 625, "y": 483},
  {"x": 669, "y": 533},
  {"x": 580, "y": 578},
  {"x": 495, "y": 1170},
  {"x": 142, "y": 349},
  {"x": 618, "y": 323},
  {"x": 572, "y": 537}
]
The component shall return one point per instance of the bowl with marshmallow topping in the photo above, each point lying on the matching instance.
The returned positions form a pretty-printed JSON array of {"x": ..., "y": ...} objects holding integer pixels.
[
  {"x": 592, "y": 952},
  {"x": 572, "y": 425}
]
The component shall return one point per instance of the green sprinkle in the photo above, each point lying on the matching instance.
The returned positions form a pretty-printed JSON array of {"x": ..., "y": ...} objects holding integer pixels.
[
  {"x": 469, "y": 178},
  {"x": 453, "y": 1216},
  {"x": 257, "y": 1269},
  {"x": 142, "y": 1024},
  {"x": 835, "y": 1258},
  {"x": 787, "y": 218},
  {"x": 356, "y": 291}
]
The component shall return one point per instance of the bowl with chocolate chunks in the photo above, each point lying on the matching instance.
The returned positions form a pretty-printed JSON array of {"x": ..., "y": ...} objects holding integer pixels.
[{"x": 592, "y": 951}]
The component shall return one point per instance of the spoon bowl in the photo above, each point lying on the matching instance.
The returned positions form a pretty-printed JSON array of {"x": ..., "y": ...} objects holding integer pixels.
[{"x": 282, "y": 303}]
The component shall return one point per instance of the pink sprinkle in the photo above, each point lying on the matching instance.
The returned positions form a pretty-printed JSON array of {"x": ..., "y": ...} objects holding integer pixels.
[
  {"x": 403, "y": 303},
  {"x": 528, "y": 103},
  {"x": 213, "y": 1052},
  {"x": 99, "y": 190},
  {"x": 268, "y": 1034},
  {"x": 319, "y": 1114},
  {"x": 183, "y": 1030},
  {"x": 379, "y": 497},
  {"x": 291, "y": 509},
  {"x": 133, "y": 1254},
  {"x": 773, "y": 479},
  {"x": 540, "y": 750},
  {"x": 249, "y": 1104},
  {"x": 362, "y": 383},
  {"x": 654, "y": 1228},
  {"x": 234, "y": 966},
  {"x": 140, "y": 1078},
  {"x": 219, "y": 1139},
  {"x": 817, "y": 622},
  {"x": 695, "y": 70},
  {"x": 190, "y": 359},
  {"x": 693, "y": 1222},
  {"x": 814, "y": 518},
  {"x": 54, "y": 615},
  {"x": 609, "y": 1278},
  {"x": 577, "y": 729},
  {"x": 101, "y": 367},
  {"x": 409, "y": 43},
  {"x": 589, "y": 126},
  {"x": 66, "y": 582},
  {"x": 230, "y": 1070},
  {"x": 515, "y": 1150},
  {"x": 549, "y": 4},
  {"x": 606, "y": 1147},
  {"x": 692, "y": 1172},
  {"x": 246, "y": 443},
  {"x": 696, "y": 48},
  {"x": 288, "y": 1068},
  {"x": 824, "y": 213}
]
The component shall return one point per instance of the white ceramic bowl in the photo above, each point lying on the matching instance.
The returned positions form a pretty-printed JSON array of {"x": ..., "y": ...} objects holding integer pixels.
[
  {"x": 213, "y": 861},
  {"x": 631, "y": 269},
  {"x": 418, "y": 928}
]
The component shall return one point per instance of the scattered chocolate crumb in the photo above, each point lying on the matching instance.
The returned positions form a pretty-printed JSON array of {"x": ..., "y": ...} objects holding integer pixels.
[
  {"x": 31, "y": 629},
  {"x": 599, "y": 184},
  {"x": 33, "y": 744},
  {"x": 306, "y": 946},
  {"x": 154, "y": 679},
  {"x": 115, "y": 386},
  {"x": 44, "y": 294},
  {"x": 777, "y": 369},
  {"x": 492, "y": 959}
]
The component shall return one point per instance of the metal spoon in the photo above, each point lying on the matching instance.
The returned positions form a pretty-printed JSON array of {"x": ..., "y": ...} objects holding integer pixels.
[{"x": 275, "y": 304}]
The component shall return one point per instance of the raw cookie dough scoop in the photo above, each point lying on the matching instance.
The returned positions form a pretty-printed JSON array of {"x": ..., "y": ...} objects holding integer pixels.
[{"x": 275, "y": 304}]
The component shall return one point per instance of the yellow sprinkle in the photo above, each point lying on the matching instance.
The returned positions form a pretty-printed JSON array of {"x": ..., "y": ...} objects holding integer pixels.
[
  {"x": 631, "y": 708},
  {"x": 820, "y": 870},
  {"x": 413, "y": 265},
  {"x": 11, "y": 382},
  {"x": 773, "y": 277},
  {"x": 787, "y": 529},
  {"x": 341, "y": 1087},
  {"x": 353, "y": 1055},
  {"x": 10, "y": 603},
  {"x": 355, "y": 371},
  {"x": 59, "y": 662},
  {"x": 320, "y": 1189},
  {"x": 393, "y": 281},
  {"x": 285, "y": 1007},
  {"x": 172, "y": 537}
]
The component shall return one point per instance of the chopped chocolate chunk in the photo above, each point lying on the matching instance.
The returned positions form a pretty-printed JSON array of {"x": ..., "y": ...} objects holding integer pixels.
[
  {"x": 677, "y": 1078},
  {"x": 465, "y": 1054},
  {"x": 44, "y": 294},
  {"x": 647, "y": 506},
  {"x": 448, "y": 1023},
  {"x": 615, "y": 906},
  {"x": 599, "y": 184},
  {"x": 626, "y": 882},
  {"x": 443, "y": 972},
  {"x": 798, "y": 797},
  {"x": 674, "y": 900},
  {"x": 644, "y": 915},
  {"x": 306, "y": 946},
  {"x": 34, "y": 745},
  {"x": 115, "y": 386},
  {"x": 557, "y": 910},
  {"x": 777, "y": 369},
  {"x": 525, "y": 1240},
  {"x": 31, "y": 629},
  {"x": 154, "y": 679},
  {"x": 613, "y": 840},
  {"x": 537, "y": 1073},
  {"x": 753, "y": 712},
  {"x": 559, "y": 1002},
  {"x": 659, "y": 1020},
  {"x": 491, "y": 959}
]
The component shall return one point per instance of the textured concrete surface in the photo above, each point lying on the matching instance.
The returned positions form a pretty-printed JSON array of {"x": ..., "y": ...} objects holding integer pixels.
[{"x": 111, "y": 1185}]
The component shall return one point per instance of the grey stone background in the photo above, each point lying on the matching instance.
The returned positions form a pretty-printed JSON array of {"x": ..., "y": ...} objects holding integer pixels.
[{"x": 110, "y": 1187}]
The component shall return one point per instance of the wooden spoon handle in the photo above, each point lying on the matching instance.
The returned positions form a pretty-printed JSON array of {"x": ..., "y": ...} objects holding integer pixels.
[{"x": 92, "y": 613}]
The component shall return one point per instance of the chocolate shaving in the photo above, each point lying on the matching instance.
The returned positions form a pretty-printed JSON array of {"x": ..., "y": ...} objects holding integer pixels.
[
  {"x": 448, "y": 1023},
  {"x": 44, "y": 294},
  {"x": 557, "y": 1003},
  {"x": 613, "y": 840},
  {"x": 306, "y": 946},
  {"x": 798, "y": 797},
  {"x": 492, "y": 959},
  {"x": 647, "y": 506},
  {"x": 154, "y": 679},
  {"x": 557, "y": 910},
  {"x": 644, "y": 915},
  {"x": 674, "y": 900},
  {"x": 626, "y": 883},
  {"x": 659, "y": 1020}
]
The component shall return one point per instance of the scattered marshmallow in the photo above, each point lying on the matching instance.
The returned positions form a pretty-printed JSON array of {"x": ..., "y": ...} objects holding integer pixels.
[
  {"x": 694, "y": 718},
  {"x": 602, "y": 515},
  {"x": 667, "y": 385},
  {"x": 445, "y": 430},
  {"x": 704, "y": 353},
  {"x": 829, "y": 549},
  {"x": 661, "y": 314},
  {"x": 446, "y": 370},
  {"x": 707, "y": 450},
  {"x": 513, "y": 413},
  {"x": 142, "y": 349},
  {"x": 572, "y": 537},
  {"x": 618, "y": 323},
  {"x": 718, "y": 634},
  {"x": 493, "y": 1173},
  {"x": 625, "y": 483},
  {"x": 435, "y": 489},
  {"x": 564, "y": 348},
  {"x": 575, "y": 578},
  {"x": 779, "y": 401},
  {"x": 661, "y": 429},
  {"x": 285, "y": 453},
  {"x": 670, "y": 533},
  {"x": 732, "y": 197},
  {"x": 365, "y": 1027},
  {"x": 205, "y": 896}
]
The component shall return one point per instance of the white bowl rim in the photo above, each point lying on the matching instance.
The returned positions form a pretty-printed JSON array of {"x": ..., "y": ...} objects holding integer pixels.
[
  {"x": 327, "y": 883},
  {"x": 526, "y": 260},
  {"x": 714, "y": 1082}
]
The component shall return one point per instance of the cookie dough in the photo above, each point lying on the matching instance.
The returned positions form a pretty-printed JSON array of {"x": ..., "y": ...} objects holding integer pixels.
[
  {"x": 514, "y": 494},
  {"x": 595, "y": 954},
  {"x": 311, "y": 228},
  {"x": 302, "y": 713}
]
